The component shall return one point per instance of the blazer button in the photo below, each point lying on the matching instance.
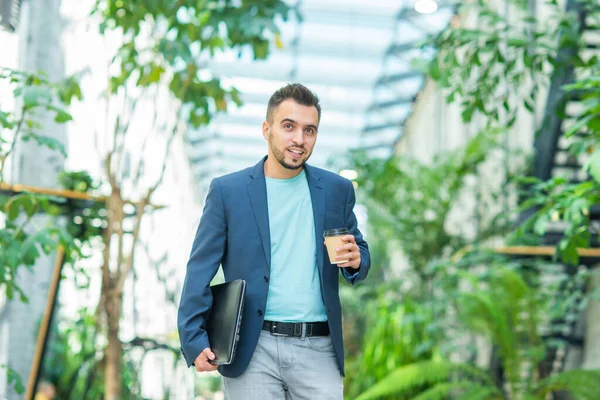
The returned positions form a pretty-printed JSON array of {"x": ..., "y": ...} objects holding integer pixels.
[
  {"x": 260, "y": 312},
  {"x": 266, "y": 279}
]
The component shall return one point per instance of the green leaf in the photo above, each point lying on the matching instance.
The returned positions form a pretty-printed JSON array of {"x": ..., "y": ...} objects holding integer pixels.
[
  {"x": 540, "y": 224},
  {"x": 518, "y": 42},
  {"x": 36, "y": 95},
  {"x": 12, "y": 209},
  {"x": 69, "y": 89},
  {"x": 26, "y": 201},
  {"x": 434, "y": 70},
  {"x": 49, "y": 142},
  {"x": 467, "y": 113},
  {"x": 593, "y": 165},
  {"x": 576, "y": 128},
  {"x": 5, "y": 121},
  {"x": 261, "y": 49},
  {"x": 14, "y": 379},
  {"x": 61, "y": 115},
  {"x": 528, "y": 105},
  {"x": 414, "y": 376},
  {"x": 581, "y": 384}
]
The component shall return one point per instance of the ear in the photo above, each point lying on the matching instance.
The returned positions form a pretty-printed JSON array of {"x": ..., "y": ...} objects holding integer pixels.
[{"x": 265, "y": 130}]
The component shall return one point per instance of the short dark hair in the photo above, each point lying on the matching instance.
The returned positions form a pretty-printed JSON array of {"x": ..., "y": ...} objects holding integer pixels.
[{"x": 297, "y": 92}]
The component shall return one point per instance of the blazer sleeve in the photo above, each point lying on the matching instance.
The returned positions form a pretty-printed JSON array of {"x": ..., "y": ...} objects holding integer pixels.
[
  {"x": 205, "y": 258},
  {"x": 354, "y": 276}
]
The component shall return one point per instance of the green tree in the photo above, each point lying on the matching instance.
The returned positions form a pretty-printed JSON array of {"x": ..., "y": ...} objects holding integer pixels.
[
  {"x": 165, "y": 44},
  {"x": 20, "y": 241}
]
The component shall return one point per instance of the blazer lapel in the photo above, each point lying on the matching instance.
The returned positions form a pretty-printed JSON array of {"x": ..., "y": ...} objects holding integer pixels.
[
  {"x": 317, "y": 196},
  {"x": 257, "y": 190}
]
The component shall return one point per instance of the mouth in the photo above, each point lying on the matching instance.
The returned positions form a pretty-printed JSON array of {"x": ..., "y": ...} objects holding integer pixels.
[{"x": 295, "y": 153}]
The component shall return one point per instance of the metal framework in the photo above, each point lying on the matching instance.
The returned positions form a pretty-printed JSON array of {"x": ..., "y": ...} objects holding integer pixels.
[
  {"x": 396, "y": 89},
  {"x": 336, "y": 50}
]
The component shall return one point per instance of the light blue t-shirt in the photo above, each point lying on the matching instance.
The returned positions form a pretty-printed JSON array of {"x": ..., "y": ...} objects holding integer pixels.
[{"x": 295, "y": 284}]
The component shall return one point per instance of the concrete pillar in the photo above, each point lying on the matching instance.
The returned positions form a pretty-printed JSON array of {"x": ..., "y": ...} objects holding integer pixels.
[{"x": 40, "y": 31}]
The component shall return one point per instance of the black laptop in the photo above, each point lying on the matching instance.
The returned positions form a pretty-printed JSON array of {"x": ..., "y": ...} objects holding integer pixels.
[{"x": 224, "y": 320}]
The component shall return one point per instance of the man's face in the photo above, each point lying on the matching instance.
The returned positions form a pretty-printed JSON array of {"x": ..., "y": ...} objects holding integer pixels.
[{"x": 292, "y": 133}]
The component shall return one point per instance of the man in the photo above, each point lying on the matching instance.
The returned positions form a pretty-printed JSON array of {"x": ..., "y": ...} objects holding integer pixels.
[{"x": 265, "y": 225}]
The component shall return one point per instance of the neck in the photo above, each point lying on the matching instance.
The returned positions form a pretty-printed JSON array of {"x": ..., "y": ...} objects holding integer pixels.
[{"x": 277, "y": 171}]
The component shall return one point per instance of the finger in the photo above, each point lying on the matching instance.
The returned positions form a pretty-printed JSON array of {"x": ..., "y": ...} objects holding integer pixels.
[
  {"x": 348, "y": 256},
  {"x": 205, "y": 366},
  {"x": 208, "y": 354},
  {"x": 347, "y": 247},
  {"x": 349, "y": 238},
  {"x": 211, "y": 367}
]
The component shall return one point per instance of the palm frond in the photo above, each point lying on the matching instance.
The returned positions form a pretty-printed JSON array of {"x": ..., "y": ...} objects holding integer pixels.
[
  {"x": 482, "y": 393},
  {"x": 581, "y": 384},
  {"x": 482, "y": 312},
  {"x": 443, "y": 390},
  {"x": 415, "y": 376}
]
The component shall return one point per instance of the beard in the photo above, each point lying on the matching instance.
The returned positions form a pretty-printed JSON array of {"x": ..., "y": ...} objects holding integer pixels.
[{"x": 280, "y": 156}]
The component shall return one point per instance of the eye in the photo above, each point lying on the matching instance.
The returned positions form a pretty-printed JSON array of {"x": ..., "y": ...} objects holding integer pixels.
[
  {"x": 310, "y": 131},
  {"x": 287, "y": 126}
]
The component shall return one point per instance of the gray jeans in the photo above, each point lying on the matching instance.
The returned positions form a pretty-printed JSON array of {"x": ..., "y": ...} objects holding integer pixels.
[{"x": 290, "y": 368}]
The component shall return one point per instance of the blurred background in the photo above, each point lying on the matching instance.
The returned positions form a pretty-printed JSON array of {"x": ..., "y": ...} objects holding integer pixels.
[{"x": 469, "y": 129}]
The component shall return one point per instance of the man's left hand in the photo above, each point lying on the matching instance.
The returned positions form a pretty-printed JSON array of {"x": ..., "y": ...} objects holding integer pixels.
[{"x": 349, "y": 250}]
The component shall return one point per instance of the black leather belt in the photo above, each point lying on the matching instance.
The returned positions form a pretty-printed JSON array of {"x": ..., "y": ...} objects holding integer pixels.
[{"x": 296, "y": 328}]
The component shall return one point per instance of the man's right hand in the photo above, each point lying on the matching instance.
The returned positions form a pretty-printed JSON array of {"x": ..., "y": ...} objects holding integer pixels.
[{"x": 201, "y": 362}]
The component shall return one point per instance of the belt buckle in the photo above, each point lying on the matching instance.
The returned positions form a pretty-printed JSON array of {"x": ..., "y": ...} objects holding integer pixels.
[
  {"x": 272, "y": 330},
  {"x": 309, "y": 329},
  {"x": 298, "y": 329}
]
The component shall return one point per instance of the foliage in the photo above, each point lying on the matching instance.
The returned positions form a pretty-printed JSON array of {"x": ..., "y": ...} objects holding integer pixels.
[
  {"x": 500, "y": 66},
  {"x": 412, "y": 201},
  {"x": 399, "y": 333},
  {"x": 88, "y": 221},
  {"x": 35, "y": 94},
  {"x": 181, "y": 36},
  {"x": 13, "y": 379},
  {"x": 494, "y": 71},
  {"x": 410, "y": 204},
  {"x": 505, "y": 309},
  {"x": 496, "y": 68},
  {"x": 559, "y": 200},
  {"x": 426, "y": 373},
  {"x": 21, "y": 241},
  {"x": 73, "y": 361}
]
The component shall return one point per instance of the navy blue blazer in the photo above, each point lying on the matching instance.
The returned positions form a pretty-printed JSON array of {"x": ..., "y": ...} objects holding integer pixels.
[{"x": 234, "y": 232}]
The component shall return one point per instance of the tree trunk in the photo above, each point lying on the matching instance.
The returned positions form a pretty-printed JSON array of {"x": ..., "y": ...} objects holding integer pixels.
[
  {"x": 113, "y": 355},
  {"x": 112, "y": 294}
]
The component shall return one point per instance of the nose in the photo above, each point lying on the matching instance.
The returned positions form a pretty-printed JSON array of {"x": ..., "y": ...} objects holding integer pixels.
[{"x": 298, "y": 137}]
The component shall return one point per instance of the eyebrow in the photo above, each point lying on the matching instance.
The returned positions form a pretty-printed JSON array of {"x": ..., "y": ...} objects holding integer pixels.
[{"x": 294, "y": 122}]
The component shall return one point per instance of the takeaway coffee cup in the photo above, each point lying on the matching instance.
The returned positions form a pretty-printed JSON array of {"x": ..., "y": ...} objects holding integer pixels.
[{"x": 333, "y": 240}]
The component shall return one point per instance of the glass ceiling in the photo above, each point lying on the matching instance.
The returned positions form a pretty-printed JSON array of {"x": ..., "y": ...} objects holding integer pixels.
[{"x": 355, "y": 54}]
